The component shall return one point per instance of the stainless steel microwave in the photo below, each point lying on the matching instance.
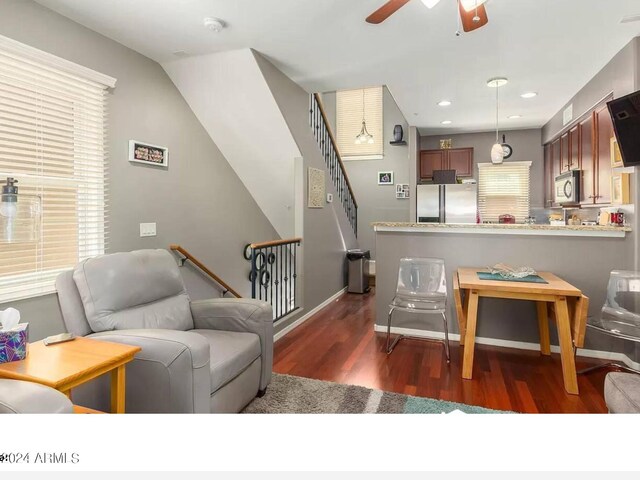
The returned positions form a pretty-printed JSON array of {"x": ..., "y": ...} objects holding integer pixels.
[{"x": 567, "y": 187}]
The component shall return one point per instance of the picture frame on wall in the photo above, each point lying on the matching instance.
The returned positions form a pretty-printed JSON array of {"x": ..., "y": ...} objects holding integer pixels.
[
  {"x": 616, "y": 156},
  {"x": 142, "y": 152},
  {"x": 620, "y": 188},
  {"x": 385, "y": 178},
  {"x": 402, "y": 190}
]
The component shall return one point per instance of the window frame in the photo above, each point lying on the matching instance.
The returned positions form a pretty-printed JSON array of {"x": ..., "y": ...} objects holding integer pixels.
[{"x": 87, "y": 189}]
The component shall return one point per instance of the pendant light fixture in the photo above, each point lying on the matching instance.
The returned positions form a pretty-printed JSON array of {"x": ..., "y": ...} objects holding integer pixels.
[
  {"x": 497, "y": 151},
  {"x": 364, "y": 136}
]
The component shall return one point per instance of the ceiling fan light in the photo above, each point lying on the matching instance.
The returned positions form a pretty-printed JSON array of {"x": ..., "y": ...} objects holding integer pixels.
[
  {"x": 430, "y": 3},
  {"x": 497, "y": 153},
  {"x": 469, "y": 5}
]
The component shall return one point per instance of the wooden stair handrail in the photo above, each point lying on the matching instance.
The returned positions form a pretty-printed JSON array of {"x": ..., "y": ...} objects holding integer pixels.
[
  {"x": 200, "y": 265},
  {"x": 275, "y": 243},
  {"x": 335, "y": 147}
]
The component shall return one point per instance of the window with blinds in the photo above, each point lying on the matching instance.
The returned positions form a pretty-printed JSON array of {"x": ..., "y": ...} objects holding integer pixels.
[
  {"x": 349, "y": 115},
  {"x": 504, "y": 189},
  {"x": 52, "y": 140}
]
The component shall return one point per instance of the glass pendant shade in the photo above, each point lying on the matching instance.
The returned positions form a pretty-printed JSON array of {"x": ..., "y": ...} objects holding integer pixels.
[
  {"x": 469, "y": 5},
  {"x": 497, "y": 150},
  {"x": 497, "y": 153},
  {"x": 430, "y": 3},
  {"x": 20, "y": 215}
]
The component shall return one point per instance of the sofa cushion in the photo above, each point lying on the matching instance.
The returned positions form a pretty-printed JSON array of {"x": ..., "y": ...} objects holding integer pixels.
[
  {"x": 129, "y": 290},
  {"x": 622, "y": 392},
  {"x": 231, "y": 354}
]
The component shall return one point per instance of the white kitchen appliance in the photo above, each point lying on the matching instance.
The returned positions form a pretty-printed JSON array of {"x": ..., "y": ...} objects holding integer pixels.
[{"x": 456, "y": 203}]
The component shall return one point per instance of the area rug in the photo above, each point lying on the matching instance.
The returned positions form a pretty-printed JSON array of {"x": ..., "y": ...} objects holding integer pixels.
[{"x": 289, "y": 394}]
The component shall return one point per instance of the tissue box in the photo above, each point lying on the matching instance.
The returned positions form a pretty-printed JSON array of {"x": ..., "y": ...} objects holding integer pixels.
[{"x": 13, "y": 343}]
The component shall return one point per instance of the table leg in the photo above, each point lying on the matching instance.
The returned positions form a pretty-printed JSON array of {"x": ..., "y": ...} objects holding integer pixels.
[
  {"x": 543, "y": 327},
  {"x": 566, "y": 346},
  {"x": 470, "y": 335},
  {"x": 118, "y": 389},
  {"x": 461, "y": 311}
]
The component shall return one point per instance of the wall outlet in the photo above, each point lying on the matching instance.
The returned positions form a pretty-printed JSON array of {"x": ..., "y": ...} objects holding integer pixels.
[
  {"x": 148, "y": 229},
  {"x": 329, "y": 197}
]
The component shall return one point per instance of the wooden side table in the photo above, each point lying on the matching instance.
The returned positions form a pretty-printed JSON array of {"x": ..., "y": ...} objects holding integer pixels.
[{"x": 64, "y": 366}]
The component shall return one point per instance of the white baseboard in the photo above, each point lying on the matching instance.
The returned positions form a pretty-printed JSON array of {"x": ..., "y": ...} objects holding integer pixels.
[
  {"x": 496, "y": 342},
  {"x": 308, "y": 315}
]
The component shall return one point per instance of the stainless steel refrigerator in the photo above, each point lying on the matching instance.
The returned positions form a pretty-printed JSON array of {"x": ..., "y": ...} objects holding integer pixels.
[{"x": 455, "y": 203}]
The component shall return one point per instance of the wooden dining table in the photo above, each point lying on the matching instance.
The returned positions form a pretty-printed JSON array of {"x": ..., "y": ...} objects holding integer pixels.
[{"x": 555, "y": 300}]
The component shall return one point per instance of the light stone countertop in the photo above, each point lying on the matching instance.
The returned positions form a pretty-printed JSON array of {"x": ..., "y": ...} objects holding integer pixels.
[{"x": 507, "y": 229}]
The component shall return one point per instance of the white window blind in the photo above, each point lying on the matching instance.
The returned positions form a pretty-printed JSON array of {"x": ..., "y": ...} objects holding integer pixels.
[
  {"x": 504, "y": 189},
  {"x": 52, "y": 140},
  {"x": 349, "y": 115}
]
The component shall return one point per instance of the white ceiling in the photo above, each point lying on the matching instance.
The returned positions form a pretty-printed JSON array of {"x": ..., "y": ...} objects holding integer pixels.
[{"x": 549, "y": 46}]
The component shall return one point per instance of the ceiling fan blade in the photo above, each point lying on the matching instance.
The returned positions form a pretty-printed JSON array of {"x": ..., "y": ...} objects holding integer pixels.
[
  {"x": 386, "y": 11},
  {"x": 467, "y": 18}
]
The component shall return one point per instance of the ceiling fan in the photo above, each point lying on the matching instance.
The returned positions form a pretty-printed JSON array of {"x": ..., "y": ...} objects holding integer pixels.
[{"x": 473, "y": 14}]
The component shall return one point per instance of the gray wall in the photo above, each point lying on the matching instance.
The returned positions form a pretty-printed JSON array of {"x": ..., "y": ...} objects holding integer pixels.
[
  {"x": 327, "y": 233},
  {"x": 198, "y": 202},
  {"x": 618, "y": 76},
  {"x": 527, "y": 146},
  {"x": 378, "y": 203}
]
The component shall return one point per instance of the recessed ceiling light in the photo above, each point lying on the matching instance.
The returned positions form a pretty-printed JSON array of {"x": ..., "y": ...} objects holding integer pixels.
[
  {"x": 529, "y": 95},
  {"x": 513, "y": 117},
  {"x": 497, "y": 82},
  {"x": 444, "y": 103},
  {"x": 446, "y": 122}
]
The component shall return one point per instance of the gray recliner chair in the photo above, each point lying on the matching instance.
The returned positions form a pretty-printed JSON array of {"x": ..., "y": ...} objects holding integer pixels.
[
  {"x": 17, "y": 396},
  {"x": 197, "y": 357}
]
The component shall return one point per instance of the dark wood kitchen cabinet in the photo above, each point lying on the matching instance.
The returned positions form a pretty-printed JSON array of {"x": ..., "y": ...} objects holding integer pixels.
[
  {"x": 585, "y": 147},
  {"x": 602, "y": 157},
  {"x": 574, "y": 148},
  {"x": 549, "y": 175},
  {"x": 458, "y": 159},
  {"x": 564, "y": 153}
]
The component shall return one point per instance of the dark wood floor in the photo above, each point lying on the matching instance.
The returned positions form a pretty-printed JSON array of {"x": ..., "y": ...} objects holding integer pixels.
[{"x": 338, "y": 344}]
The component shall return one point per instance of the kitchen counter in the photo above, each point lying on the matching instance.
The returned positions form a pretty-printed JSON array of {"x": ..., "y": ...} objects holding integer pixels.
[
  {"x": 583, "y": 255},
  {"x": 504, "y": 229}
]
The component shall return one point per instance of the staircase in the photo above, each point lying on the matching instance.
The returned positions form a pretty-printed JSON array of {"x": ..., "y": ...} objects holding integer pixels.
[{"x": 329, "y": 150}]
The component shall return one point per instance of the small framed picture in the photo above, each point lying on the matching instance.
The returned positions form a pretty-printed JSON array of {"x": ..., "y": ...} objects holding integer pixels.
[
  {"x": 616, "y": 156},
  {"x": 142, "y": 152},
  {"x": 402, "y": 190},
  {"x": 385, "y": 178}
]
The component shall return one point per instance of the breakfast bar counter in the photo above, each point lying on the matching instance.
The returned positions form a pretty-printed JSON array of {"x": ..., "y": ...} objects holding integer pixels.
[
  {"x": 583, "y": 255},
  {"x": 504, "y": 229}
]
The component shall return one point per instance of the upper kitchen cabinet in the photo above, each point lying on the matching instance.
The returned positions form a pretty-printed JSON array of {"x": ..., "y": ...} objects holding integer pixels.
[
  {"x": 587, "y": 174},
  {"x": 565, "y": 162},
  {"x": 585, "y": 147},
  {"x": 431, "y": 160},
  {"x": 458, "y": 159},
  {"x": 602, "y": 157},
  {"x": 549, "y": 175},
  {"x": 574, "y": 148}
]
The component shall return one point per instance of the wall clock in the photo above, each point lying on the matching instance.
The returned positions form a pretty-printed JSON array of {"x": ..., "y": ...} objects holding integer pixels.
[{"x": 506, "y": 148}]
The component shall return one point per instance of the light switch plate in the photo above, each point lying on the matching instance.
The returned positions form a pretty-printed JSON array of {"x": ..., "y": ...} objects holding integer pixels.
[{"x": 148, "y": 229}]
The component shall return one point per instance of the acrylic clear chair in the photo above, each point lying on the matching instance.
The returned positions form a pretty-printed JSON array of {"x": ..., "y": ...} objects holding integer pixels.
[
  {"x": 422, "y": 288},
  {"x": 620, "y": 316}
]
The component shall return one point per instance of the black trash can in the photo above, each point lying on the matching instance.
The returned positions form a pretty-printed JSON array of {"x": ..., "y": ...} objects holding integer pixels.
[{"x": 358, "y": 279}]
